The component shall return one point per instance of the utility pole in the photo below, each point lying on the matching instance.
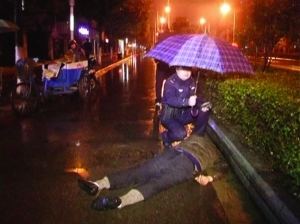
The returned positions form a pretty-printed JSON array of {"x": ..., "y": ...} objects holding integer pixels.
[
  {"x": 72, "y": 4},
  {"x": 18, "y": 7},
  {"x": 234, "y": 26}
]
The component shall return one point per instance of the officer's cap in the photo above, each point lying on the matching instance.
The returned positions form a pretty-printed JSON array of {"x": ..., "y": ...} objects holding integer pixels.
[{"x": 183, "y": 67}]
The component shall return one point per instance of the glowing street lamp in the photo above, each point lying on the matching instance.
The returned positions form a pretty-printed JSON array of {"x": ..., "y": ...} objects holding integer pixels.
[
  {"x": 225, "y": 8},
  {"x": 162, "y": 21},
  {"x": 202, "y": 22},
  {"x": 168, "y": 11}
]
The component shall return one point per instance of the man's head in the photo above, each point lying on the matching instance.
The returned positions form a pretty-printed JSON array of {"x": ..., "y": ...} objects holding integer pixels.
[
  {"x": 183, "y": 73},
  {"x": 72, "y": 44}
]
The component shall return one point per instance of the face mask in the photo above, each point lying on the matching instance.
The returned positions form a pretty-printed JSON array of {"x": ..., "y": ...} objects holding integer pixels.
[{"x": 183, "y": 74}]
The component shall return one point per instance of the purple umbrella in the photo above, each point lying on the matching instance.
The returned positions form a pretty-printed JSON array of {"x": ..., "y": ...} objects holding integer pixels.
[{"x": 201, "y": 51}]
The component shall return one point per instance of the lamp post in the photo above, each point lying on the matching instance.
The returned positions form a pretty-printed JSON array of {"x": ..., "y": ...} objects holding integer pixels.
[
  {"x": 167, "y": 11},
  {"x": 162, "y": 21},
  {"x": 202, "y": 22},
  {"x": 155, "y": 28},
  {"x": 233, "y": 28},
  {"x": 72, "y": 4},
  {"x": 225, "y": 8}
]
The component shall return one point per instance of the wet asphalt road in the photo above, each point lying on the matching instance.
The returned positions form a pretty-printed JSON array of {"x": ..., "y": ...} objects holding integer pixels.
[{"x": 42, "y": 156}]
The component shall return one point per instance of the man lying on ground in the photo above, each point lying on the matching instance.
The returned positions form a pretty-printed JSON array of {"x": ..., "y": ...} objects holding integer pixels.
[{"x": 175, "y": 165}]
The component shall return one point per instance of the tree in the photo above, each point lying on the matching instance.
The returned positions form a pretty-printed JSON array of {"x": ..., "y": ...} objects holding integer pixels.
[
  {"x": 130, "y": 18},
  {"x": 181, "y": 25},
  {"x": 119, "y": 18},
  {"x": 268, "y": 21}
]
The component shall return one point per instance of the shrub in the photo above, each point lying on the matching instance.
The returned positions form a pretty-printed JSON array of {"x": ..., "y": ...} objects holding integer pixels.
[{"x": 267, "y": 113}]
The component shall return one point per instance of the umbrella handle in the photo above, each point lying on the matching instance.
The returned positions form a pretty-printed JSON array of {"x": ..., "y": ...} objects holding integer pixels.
[{"x": 194, "y": 111}]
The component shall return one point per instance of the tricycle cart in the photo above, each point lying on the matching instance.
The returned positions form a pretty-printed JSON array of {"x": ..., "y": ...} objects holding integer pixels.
[{"x": 35, "y": 82}]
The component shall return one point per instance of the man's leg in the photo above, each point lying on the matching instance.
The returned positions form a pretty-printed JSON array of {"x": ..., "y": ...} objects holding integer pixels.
[
  {"x": 175, "y": 169},
  {"x": 179, "y": 169},
  {"x": 141, "y": 173},
  {"x": 124, "y": 178},
  {"x": 164, "y": 165}
]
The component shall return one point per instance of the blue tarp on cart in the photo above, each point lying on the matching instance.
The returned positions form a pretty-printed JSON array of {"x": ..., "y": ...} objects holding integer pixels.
[{"x": 68, "y": 76}]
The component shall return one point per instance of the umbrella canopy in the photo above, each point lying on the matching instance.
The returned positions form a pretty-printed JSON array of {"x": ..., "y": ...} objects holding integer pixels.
[
  {"x": 7, "y": 26},
  {"x": 201, "y": 51}
]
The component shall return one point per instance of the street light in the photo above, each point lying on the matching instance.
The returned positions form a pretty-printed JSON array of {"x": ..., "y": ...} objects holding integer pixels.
[
  {"x": 202, "y": 22},
  {"x": 168, "y": 11},
  {"x": 225, "y": 8},
  {"x": 72, "y": 3},
  {"x": 162, "y": 21}
]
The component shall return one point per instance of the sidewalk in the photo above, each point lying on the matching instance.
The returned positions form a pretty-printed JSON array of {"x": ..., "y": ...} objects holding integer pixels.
[
  {"x": 109, "y": 65},
  {"x": 275, "y": 208}
]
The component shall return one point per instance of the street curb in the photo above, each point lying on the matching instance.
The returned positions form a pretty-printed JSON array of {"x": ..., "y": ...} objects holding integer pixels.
[
  {"x": 266, "y": 199},
  {"x": 103, "y": 71}
]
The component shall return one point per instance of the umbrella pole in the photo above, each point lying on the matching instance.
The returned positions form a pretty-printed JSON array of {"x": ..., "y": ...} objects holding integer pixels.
[
  {"x": 194, "y": 110},
  {"x": 197, "y": 80}
]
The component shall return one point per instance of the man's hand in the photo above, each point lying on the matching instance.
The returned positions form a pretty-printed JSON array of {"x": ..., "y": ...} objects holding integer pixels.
[
  {"x": 192, "y": 100},
  {"x": 206, "y": 106},
  {"x": 204, "y": 180}
]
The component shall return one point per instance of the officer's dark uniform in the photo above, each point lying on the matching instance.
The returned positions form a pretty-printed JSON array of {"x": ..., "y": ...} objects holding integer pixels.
[
  {"x": 163, "y": 71},
  {"x": 176, "y": 112}
]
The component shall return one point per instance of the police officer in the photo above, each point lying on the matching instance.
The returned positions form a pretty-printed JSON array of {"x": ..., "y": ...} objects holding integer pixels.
[{"x": 181, "y": 106}]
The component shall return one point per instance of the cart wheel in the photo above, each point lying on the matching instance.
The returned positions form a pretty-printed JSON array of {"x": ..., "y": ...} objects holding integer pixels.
[
  {"x": 86, "y": 85},
  {"x": 22, "y": 101}
]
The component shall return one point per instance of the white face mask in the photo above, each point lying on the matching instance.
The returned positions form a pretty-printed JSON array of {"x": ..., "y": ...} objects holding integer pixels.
[{"x": 183, "y": 74}]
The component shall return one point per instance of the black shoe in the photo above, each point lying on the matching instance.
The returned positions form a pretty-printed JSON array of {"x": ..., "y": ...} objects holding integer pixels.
[
  {"x": 105, "y": 203},
  {"x": 88, "y": 186}
]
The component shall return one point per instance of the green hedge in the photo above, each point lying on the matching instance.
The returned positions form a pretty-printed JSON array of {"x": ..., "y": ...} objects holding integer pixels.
[{"x": 268, "y": 115}]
